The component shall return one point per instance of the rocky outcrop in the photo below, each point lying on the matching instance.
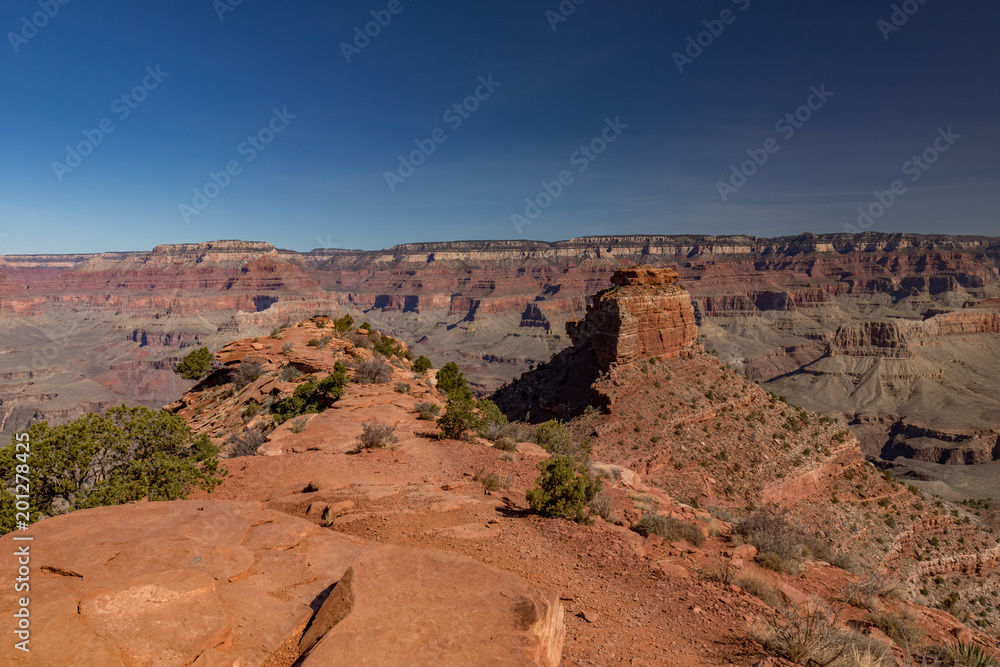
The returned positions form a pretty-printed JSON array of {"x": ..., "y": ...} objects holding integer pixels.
[
  {"x": 645, "y": 314},
  {"x": 871, "y": 339},
  {"x": 469, "y": 614},
  {"x": 231, "y": 583}
]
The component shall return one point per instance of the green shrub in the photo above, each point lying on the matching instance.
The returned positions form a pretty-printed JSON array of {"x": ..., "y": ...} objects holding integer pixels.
[
  {"x": 564, "y": 489},
  {"x": 402, "y": 388},
  {"x": 289, "y": 373},
  {"x": 390, "y": 347},
  {"x": 450, "y": 380},
  {"x": 127, "y": 455},
  {"x": 489, "y": 416},
  {"x": 251, "y": 410},
  {"x": 556, "y": 439},
  {"x": 332, "y": 386},
  {"x": 669, "y": 528},
  {"x": 195, "y": 365},
  {"x": 962, "y": 654},
  {"x": 299, "y": 425},
  {"x": 459, "y": 416},
  {"x": 422, "y": 364},
  {"x": 343, "y": 324},
  {"x": 310, "y": 397}
]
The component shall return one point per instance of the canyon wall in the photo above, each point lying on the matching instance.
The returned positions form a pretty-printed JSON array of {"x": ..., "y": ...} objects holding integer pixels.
[{"x": 895, "y": 331}]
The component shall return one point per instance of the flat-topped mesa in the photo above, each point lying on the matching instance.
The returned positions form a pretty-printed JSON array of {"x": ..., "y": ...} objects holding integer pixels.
[{"x": 645, "y": 314}]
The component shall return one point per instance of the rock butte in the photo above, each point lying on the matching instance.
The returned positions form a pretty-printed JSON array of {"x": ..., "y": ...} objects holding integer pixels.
[{"x": 645, "y": 314}]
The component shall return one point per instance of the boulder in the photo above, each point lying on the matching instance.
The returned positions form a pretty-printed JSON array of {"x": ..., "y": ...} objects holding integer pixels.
[
  {"x": 161, "y": 584},
  {"x": 404, "y": 606}
]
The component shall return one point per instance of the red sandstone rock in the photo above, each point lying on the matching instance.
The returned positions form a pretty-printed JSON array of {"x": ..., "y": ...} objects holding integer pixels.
[
  {"x": 644, "y": 315},
  {"x": 231, "y": 583},
  {"x": 404, "y": 606}
]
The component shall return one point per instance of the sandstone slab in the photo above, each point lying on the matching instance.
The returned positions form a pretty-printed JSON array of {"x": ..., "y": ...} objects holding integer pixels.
[
  {"x": 158, "y": 584},
  {"x": 403, "y": 606}
]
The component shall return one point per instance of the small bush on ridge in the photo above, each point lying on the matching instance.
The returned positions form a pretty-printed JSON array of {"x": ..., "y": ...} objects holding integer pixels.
[
  {"x": 376, "y": 435},
  {"x": 669, "y": 528},
  {"x": 564, "y": 489}
]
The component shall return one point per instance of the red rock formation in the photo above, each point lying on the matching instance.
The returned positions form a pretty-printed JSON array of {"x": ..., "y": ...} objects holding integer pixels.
[
  {"x": 646, "y": 314},
  {"x": 231, "y": 583}
]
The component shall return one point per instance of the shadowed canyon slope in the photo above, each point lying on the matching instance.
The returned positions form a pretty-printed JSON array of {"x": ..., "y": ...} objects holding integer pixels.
[{"x": 899, "y": 333}]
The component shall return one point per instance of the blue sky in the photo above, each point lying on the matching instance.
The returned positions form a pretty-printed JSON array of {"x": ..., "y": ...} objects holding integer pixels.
[{"x": 224, "y": 70}]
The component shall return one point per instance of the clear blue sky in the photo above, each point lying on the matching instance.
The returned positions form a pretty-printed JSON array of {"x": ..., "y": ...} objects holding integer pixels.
[{"x": 322, "y": 180}]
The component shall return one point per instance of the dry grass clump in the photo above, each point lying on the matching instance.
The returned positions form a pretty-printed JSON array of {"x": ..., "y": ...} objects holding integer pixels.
[
  {"x": 781, "y": 545},
  {"x": 901, "y": 629},
  {"x": 505, "y": 444},
  {"x": 372, "y": 371},
  {"x": 603, "y": 506},
  {"x": 247, "y": 372},
  {"x": 245, "y": 444},
  {"x": 761, "y": 589},
  {"x": 376, "y": 436},
  {"x": 428, "y": 411},
  {"x": 492, "y": 481},
  {"x": 809, "y": 635},
  {"x": 867, "y": 591},
  {"x": 669, "y": 528},
  {"x": 515, "y": 431}
]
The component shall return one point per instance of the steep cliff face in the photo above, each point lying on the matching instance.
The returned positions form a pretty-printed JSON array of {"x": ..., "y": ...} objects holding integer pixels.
[{"x": 644, "y": 314}]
